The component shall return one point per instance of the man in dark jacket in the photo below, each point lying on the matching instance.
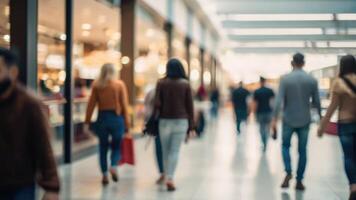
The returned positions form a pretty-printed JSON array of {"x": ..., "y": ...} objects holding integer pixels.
[
  {"x": 239, "y": 101},
  {"x": 25, "y": 150}
]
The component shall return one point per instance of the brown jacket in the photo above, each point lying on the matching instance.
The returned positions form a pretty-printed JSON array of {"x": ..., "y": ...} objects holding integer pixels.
[
  {"x": 111, "y": 97},
  {"x": 174, "y": 100},
  {"x": 343, "y": 99},
  {"x": 25, "y": 149}
]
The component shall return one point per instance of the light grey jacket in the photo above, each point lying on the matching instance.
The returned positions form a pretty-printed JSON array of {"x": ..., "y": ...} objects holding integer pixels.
[{"x": 298, "y": 91}]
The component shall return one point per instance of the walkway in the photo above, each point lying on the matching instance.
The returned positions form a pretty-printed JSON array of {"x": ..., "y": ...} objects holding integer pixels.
[{"x": 219, "y": 166}]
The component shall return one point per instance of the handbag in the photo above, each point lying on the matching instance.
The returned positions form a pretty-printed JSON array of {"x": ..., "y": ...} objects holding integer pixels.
[
  {"x": 127, "y": 151},
  {"x": 151, "y": 126}
]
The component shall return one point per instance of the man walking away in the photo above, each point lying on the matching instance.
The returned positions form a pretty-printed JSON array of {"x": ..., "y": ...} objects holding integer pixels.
[
  {"x": 239, "y": 101},
  {"x": 262, "y": 97},
  {"x": 25, "y": 151},
  {"x": 295, "y": 91}
]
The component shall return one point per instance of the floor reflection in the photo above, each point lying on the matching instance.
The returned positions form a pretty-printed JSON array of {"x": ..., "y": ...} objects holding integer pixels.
[{"x": 297, "y": 196}]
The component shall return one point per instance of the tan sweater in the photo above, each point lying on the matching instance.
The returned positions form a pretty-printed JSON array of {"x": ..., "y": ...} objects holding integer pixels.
[
  {"x": 111, "y": 97},
  {"x": 343, "y": 99}
]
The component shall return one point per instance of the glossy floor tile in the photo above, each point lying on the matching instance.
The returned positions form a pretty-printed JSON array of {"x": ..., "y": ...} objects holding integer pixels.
[{"x": 218, "y": 166}]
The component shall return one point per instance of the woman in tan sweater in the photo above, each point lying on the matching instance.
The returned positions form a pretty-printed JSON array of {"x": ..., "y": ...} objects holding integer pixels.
[
  {"x": 343, "y": 98},
  {"x": 110, "y": 95}
]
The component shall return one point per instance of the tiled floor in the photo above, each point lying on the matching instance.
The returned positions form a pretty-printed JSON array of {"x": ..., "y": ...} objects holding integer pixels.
[{"x": 219, "y": 166}]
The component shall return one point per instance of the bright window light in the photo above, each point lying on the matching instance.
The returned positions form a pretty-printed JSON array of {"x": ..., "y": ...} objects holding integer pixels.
[
  {"x": 269, "y": 44},
  {"x": 346, "y": 16},
  {"x": 351, "y": 31},
  {"x": 278, "y": 17},
  {"x": 321, "y": 44},
  {"x": 276, "y": 31},
  {"x": 339, "y": 44}
]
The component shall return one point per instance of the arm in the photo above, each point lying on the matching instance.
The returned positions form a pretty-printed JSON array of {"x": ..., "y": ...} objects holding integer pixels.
[
  {"x": 157, "y": 100},
  {"x": 124, "y": 102},
  {"x": 190, "y": 107},
  {"x": 330, "y": 111},
  {"x": 43, "y": 154},
  {"x": 279, "y": 100},
  {"x": 91, "y": 105},
  {"x": 316, "y": 98}
]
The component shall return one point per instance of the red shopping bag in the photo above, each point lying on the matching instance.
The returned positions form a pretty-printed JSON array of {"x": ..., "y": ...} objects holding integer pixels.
[
  {"x": 127, "y": 151},
  {"x": 331, "y": 128}
]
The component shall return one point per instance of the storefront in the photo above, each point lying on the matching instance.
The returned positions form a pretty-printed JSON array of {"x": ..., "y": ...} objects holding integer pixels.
[{"x": 73, "y": 40}]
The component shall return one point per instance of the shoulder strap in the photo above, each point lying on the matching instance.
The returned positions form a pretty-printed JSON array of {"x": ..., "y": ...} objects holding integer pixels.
[{"x": 349, "y": 84}]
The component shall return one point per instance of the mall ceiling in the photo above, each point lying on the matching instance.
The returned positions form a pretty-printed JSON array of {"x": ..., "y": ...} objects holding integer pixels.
[{"x": 275, "y": 26}]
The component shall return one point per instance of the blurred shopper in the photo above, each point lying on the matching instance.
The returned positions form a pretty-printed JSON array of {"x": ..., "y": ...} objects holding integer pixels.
[
  {"x": 295, "y": 91},
  {"x": 343, "y": 98},
  {"x": 215, "y": 102},
  {"x": 239, "y": 101},
  {"x": 110, "y": 95},
  {"x": 201, "y": 93},
  {"x": 174, "y": 105},
  {"x": 149, "y": 106},
  {"x": 262, "y": 98},
  {"x": 25, "y": 150}
]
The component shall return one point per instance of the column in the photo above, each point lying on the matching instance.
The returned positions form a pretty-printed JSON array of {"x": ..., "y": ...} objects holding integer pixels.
[
  {"x": 202, "y": 65},
  {"x": 128, "y": 46},
  {"x": 188, "y": 42},
  {"x": 68, "y": 84},
  {"x": 23, "y": 34},
  {"x": 168, "y": 27}
]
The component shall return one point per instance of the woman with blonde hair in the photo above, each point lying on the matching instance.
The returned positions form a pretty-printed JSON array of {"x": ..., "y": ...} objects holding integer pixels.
[{"x": 110, "y": 95}]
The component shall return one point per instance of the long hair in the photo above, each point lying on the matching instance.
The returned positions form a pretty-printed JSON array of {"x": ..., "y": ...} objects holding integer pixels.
[
  {"x": 107, "y": 73},
  {"x": 347, "y": 65},
  {"x": 175, "y": 69}
]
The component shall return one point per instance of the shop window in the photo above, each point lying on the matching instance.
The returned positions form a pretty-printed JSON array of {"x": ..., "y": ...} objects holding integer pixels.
[
  {"x": 51, "y": 59},
  {"x": 96, "y": 42},
  {"x": 4, "y": 23},
  {"x": 150, "y": 63}
]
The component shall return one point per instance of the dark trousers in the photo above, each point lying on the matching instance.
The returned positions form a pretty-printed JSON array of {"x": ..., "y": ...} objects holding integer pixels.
[
  {"x": 159, "y": 156},
  {"x": 109, "y": 124},
  {"x": 22, "y": 193},
  {"x": 241, "y": 116},
  {"x": 347, "y": 134}
]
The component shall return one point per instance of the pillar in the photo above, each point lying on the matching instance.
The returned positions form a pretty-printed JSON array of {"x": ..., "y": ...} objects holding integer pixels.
[
  {"x": 128, "y": 46},
  {"x": 23, "y": 38}
]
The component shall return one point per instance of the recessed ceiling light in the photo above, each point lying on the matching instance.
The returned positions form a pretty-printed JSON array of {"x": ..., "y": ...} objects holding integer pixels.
[
  {"x": 6, "y": 38},
  {"x": 86, "y": 26},
  {"x": 62, "y": 37}
]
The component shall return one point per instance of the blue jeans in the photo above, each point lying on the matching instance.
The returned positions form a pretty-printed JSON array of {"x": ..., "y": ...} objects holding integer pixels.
[
  {"x": 109, "y": 124},
  {"x": 172, "y": 133},
  {"x": 302, "y": 133},
  {"x": 347, "y": 134},
  {"x": 264, "y": 121},
  {"x": 159, "y": 156},
  {"x": 27, "y": 192}
]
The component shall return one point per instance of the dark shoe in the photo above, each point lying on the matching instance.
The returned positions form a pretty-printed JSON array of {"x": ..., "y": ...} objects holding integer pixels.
[
  {"x": 160, "y": 181},
  {"x": 114, "y": 175},
  {"x": 286, "y": 180},
  {"x": 300, "y": 186},
  {"x": 352, "y": 196},
  {"x": 105, "y": 181},
  {"x": 170, "y": 187}
]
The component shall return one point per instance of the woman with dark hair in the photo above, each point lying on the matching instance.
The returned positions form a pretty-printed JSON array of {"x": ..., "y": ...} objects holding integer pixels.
[
  {"x": 174, "y": 106},
  {"x": 343, "y": 98}
]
